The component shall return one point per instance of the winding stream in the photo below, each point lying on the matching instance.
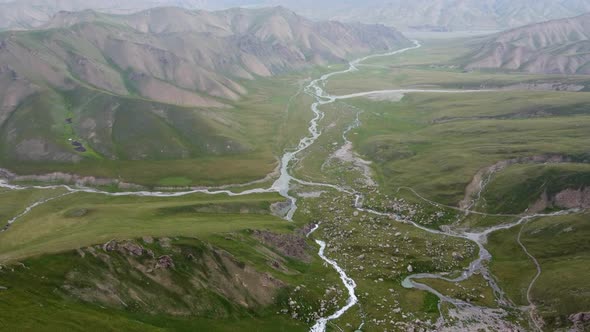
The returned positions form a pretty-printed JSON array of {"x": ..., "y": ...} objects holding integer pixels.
[{"x": 282, "y": 185}]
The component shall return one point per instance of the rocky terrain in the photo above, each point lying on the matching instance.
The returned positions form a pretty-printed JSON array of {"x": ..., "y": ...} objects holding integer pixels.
[
  {"x": 553, "y": 47},
  {"x": 158, "y": 260}
]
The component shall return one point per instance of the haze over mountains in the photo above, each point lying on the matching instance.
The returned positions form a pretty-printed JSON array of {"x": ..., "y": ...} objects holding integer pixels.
[
  {"x": 150, "y": 64},
  {"x": 402, "y": 14},
  {"x": 553, "y": 47},
  {"x": 444, "y": 14}
]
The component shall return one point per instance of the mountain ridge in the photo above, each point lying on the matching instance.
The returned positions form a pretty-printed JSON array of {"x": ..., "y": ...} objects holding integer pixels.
[
  {"x": 437, "y": 15},
  {"x": 552, "y": 47}
]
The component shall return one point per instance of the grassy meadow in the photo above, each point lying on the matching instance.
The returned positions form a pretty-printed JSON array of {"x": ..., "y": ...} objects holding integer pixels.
[{"x": 81, "y": 220}]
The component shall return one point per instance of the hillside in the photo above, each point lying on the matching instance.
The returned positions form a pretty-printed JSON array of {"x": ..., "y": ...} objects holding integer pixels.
[
  {"x": 553, "y": 47},
  {"x": 163, "y": 84}
]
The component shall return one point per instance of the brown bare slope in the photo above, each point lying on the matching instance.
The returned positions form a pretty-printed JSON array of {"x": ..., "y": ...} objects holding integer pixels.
[
  {"x": 173, "y": 55},
  {"x": 553, "y": 47}
]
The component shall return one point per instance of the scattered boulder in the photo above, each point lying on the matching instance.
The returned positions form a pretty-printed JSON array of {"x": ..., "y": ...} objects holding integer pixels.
[
  {"x": 150, "y": 253},
  {"x": 280, "y": 209},
  {"x": 148, "y": 239},
  {"x": 165, "y": 262},
  {"x": 457, "y": 256},
  {"x": 307, "y": 228},
  {"x": 276, "y": 265},
  {"x": 110, "y": 246},
  {"x": 125, "y": 247},
  {"x": 290, "y": 245},
  {"x": 3, "y": 288},
  {"x": 76, "y": 213},
  {"x": 165, "y": 242},
  {"x": 410, "y": 268},
  {"x": 580, "y": 317},
  {"x": 132, "y": 248}
]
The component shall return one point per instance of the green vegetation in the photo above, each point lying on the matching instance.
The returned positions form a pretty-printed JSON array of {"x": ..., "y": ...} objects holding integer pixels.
[
  {"x": 50, "y": 228},
  {"x": 148, "y": 143},
  {"x": 14, "y": 202},
  {"x": 560, "y": 244},
  {"x": 114, "y": 292},
  {"x": 518, "y": 187},
  {"x": 431, "y": 302},
  {"x": 376, "y": 252},
  {"x": 435, "y": 143},
  {"x": 432, "y": 143},
  {"x": 473, "y": 290}
]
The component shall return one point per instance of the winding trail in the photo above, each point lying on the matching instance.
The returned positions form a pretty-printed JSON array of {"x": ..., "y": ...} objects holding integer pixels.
[{"x": 533, "y": 307}]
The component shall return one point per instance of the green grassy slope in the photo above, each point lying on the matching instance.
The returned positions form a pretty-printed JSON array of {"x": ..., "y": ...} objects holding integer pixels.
[
  {"x": 55, "y": 227},
  {"x": 561, "y": 246},
  {"x": 147, "y": 142},
  {"x": 435, "y": 143}
]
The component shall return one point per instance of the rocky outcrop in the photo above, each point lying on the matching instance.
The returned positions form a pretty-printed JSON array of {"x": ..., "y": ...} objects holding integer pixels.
[
  {"x": 125, "y": 247},
  {"x": 565, "y": 199},
  {"x": 165, "y": 262},
  {"x": 581, "y": 321},
  {"x": 207, "y": 274},
  {"x": 290, "y": 245},
  {"x": 573, "y": 198}
]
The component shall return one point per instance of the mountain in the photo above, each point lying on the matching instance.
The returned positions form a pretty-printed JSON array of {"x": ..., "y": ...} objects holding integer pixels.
[
  {"x": 441, "y": 14},
  {"x": 553, "y": 47},
  {"x": 28, "y": 14},
  {"x": 402, "y": 14},
  {"x": 122, "y": 83}
]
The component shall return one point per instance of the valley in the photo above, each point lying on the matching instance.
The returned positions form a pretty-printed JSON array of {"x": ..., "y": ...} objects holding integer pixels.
[{"x": 403, "y": 191}]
